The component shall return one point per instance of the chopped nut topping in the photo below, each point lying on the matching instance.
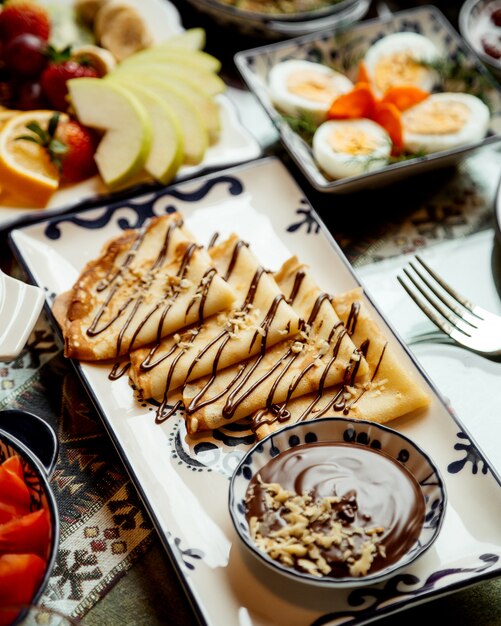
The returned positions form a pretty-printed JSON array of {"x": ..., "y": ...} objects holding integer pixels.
[
  {"x": 241, "y": 319},
  {"x": 298, "y": 531},
  {"x": 323, "y": 348}
]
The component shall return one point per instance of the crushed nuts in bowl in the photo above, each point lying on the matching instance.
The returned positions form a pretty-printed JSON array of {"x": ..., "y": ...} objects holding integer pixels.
[{"x": 337, "y": 502}]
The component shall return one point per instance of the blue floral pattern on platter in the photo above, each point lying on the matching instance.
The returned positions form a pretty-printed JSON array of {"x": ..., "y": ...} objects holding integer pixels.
[
  {"x": 342, "y": 430},
  {"x": 343, "y": 51},
  {"x": 400, "y": 586}
]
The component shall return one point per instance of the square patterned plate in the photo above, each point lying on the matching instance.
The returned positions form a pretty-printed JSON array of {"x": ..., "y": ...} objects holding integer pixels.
[
  {"x": 343, "y": 51},
  {"x": 185, "y": 482}
]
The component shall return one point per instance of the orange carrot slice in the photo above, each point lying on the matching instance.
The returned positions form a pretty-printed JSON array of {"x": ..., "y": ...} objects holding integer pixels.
[
  {"x": 359, "y": 102},
  {"x": 13, "y": 463},
  {"x": 363, "y": 75},
  {"x": 389, "y": 117},
  {"x": 26, "y": 535},
  {"x": 404, "y": 96}
]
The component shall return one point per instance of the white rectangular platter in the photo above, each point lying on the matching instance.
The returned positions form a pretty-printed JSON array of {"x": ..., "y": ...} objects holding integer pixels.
[{"x": 185, "y": 483}]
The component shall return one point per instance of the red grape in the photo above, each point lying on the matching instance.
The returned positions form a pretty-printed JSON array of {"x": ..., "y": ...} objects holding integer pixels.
[
  {"x": 30, "y": 96},
  {"x": 25, "y": 55},
  {"x": 6, "y": 93},
  {"x": 491, "y": 44},
  {"x": 496, "y": 17},
  {"x": 6, "y": 88}
]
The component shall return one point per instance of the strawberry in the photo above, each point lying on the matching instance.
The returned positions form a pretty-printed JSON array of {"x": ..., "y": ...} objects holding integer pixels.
[
  {"x": 60, "y": 70},
  {"x": 70, "y": 146},
  {"x": 23, "y": 16},
  {"x": 81, "y": 143}
]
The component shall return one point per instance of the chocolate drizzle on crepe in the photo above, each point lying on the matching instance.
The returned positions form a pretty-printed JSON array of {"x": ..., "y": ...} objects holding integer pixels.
[
  {"x": 236, "y": 390},
  {"x": 222, "y": 338},
  {"x": 279, "y": 412},
  {"x": 148, "y": 283},
  {"x": 112, "y": 283}
]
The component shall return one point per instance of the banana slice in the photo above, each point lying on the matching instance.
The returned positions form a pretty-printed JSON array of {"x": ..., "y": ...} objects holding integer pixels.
[
  {"x": 100, "y": 58},
  {"x": 87, "y": 10},
  {"x": 105, "y": 16},
  {"x": 121, "y": 30}
]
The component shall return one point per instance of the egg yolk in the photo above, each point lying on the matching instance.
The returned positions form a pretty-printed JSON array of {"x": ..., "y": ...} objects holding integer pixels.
[
  {"x": 398, "y": 69},
  {"x": 437, "y": 118},
  {"x": 314, "y": 86},
  {"x": 352, "y": 141}
]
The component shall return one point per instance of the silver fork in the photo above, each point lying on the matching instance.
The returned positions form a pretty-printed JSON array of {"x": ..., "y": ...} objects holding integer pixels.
[{"x": 460, "y": 319}]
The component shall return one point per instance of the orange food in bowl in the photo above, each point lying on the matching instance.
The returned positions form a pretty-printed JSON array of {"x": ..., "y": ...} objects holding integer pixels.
[{"x": 25, "y": 540}]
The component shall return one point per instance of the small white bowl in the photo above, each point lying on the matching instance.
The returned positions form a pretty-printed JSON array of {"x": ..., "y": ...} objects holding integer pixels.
[
  {"x": 254, "y": 23},
  {"x": 20, "y": 306},
  {"x": 472, "y": 18},
  {"x": 341, "y": 430}
]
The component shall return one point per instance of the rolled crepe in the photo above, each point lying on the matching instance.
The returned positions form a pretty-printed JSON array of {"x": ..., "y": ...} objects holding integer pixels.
[
  {"x": 260, "y": 317},
  {"x": 386, "y": 392},
  {"x": 146, "y": 284},
  {"x": 320, "y": 356}
]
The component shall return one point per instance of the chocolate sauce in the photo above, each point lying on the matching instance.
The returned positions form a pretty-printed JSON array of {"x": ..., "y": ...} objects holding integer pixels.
[
  {"x": 374, "y": 492},
  {"x": 237, "y": 393},
  {"x": 118, "y": 370},
  {"x": 298, "y": 280},
  {"x": 213, "y": 240},
  {"x": 222, "y": 338},
  {"x": 96, "y": 327},
  {"x": 338, "y": 401}
]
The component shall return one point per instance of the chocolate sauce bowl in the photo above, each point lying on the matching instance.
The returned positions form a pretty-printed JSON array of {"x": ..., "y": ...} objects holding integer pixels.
[{"x": 379, "y": 478}]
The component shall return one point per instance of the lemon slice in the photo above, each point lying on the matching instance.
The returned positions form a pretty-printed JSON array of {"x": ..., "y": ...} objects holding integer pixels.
[{"x": 25, "y": 167}]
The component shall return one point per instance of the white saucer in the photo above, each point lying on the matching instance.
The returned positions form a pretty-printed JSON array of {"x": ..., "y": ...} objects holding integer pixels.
[{"x": 20, "y": 306}]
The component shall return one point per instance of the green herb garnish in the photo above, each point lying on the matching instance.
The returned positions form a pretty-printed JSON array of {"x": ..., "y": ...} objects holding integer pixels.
[
  {"x": 304, "y": 125},
  {"x": 459, "y": 75}
]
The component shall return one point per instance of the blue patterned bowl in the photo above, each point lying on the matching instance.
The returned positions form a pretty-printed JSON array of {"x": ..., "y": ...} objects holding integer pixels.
[{"x": 340, "y": 430}]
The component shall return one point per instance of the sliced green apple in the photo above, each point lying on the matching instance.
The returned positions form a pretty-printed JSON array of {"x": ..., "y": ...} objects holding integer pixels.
[
  {"x": 207, "y": 107},
  {"x": 193, "y": 130},
  {"x": 191, "y": 39},
  {"x": 167, "y": 144},
  {"x": 124, "y": 148},
  {"x": 163, "y": 54},
  {"x": 208, "y": 82}
]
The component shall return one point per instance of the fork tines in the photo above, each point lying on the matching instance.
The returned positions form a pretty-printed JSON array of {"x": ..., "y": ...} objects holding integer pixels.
[{"x": 445, "y": 307}]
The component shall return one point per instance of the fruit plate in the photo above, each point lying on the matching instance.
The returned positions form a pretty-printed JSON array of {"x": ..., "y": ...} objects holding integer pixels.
[
  {"x": 185, "y": 482},
  {"x": 343, "y": 51},
  {"x": 235, "y": 143}
]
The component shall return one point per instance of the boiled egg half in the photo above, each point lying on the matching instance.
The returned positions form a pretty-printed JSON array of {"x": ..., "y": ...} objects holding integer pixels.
[
  {"x": 302, "y": 87},
  {"x": 444, "y": 121},
  {"x": 401, "y": 59},
  {"x": 344, "y": 148}
]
